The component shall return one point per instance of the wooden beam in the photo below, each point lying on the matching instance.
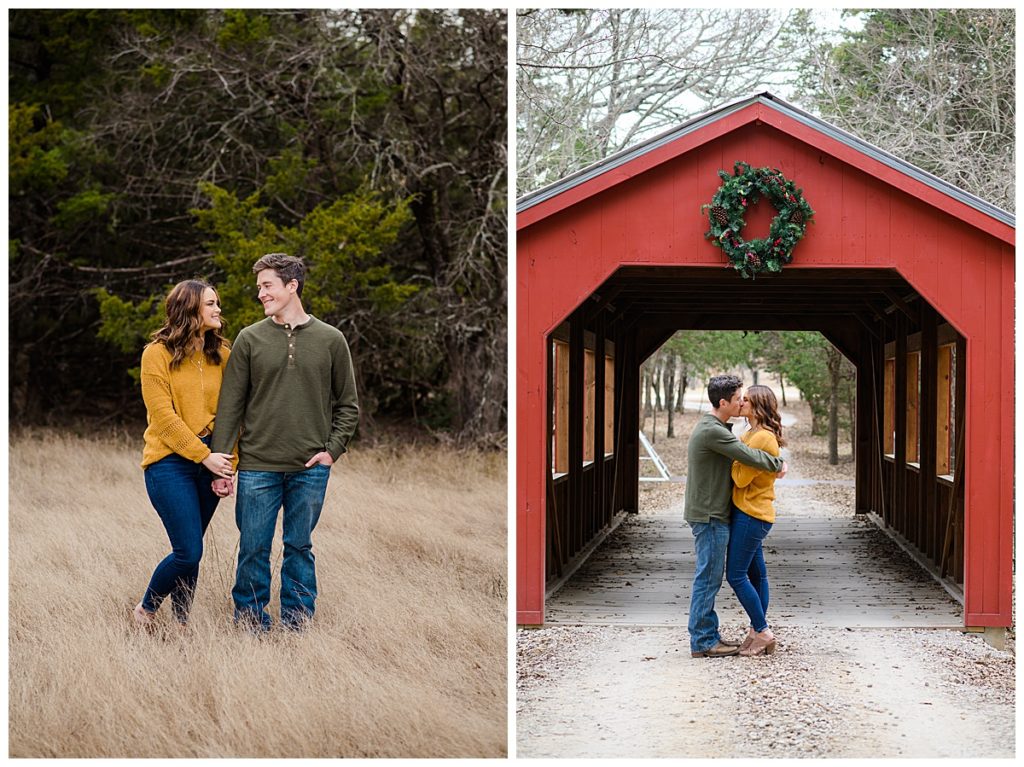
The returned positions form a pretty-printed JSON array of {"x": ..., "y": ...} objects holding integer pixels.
[
  {"x": 871, "y": 331},
  {"x": 943, "y": 408},
  {"x": 913, "y": 406},
  {"x": 899, "y": 303},
  {"x": 589, "y": 402},
  {"x": 574, "y": 502},
  {"x": 899, "y": 493},
  {"x": 927, "y": 529},
  {"x": 600, "y": 501},
  {"x": 889, "y": 412},
  {"x": 553, "y": 534},
  {"x": 863, "y": 427},
  {"x": 561, "y": 405}
]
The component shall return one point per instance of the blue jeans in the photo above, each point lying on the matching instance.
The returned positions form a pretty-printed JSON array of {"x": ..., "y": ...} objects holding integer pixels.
[
  {"x": 261, "y": 494},
  {"x": 711, "y": 539},
  {"x": 746, "y": 571},
  {"x": 181, "y": 494}
]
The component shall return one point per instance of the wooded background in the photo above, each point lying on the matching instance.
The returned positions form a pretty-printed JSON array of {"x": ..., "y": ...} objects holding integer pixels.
[{"x": 149, "y": 146}]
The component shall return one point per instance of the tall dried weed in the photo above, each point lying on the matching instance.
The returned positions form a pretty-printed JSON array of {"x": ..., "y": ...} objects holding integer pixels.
[{"x": 407, "y": 656}]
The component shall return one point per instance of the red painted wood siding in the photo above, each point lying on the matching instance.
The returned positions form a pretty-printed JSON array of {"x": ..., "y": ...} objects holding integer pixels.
[{"x": 867, "y": 215}]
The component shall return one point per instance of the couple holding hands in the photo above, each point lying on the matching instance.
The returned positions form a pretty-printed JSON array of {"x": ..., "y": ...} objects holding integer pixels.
[{"x": 279, "y": 405}]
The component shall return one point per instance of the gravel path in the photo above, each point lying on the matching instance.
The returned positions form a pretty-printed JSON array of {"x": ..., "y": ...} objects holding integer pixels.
[
  {"x": 620, "y": 691},
  {"x": 603, "y": 691}
]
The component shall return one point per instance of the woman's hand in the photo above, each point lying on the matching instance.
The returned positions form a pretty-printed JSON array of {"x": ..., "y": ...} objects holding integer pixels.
[
  {"x": 219, "y": 464},
  {"x": 222, "y": 488}
]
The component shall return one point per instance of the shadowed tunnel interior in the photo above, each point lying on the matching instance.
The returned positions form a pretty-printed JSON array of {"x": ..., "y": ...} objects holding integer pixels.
[{"x": 901, "y": 347}]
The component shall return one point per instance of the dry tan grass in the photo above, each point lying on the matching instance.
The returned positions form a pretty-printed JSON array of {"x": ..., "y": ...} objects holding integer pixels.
[{"x": 407, "y": 657}]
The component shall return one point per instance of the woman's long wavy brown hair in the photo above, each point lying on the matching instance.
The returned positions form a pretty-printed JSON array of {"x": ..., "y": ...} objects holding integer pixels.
[
  {"x": 766, "y": 410},
  {"x": 183, "y": 323}
]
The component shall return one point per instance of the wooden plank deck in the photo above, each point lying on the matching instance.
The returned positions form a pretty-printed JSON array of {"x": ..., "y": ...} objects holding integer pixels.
[{"x": 829, "y": 572}]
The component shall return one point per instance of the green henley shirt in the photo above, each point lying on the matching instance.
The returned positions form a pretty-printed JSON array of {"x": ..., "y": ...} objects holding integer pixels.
[
  {"x": 288, "y": 393},
  {"x": 709, "y": 455}
]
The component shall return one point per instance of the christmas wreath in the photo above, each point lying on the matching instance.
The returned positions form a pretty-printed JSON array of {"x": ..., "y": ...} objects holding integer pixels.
[{"x": 730, "y": 204}]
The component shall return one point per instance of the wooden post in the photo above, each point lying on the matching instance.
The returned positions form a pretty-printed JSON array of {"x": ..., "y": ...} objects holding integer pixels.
[
  {"x": 575, "y": 496},
  {"x": 889, "y": 408},
  {"x": 561, "y": 406},
  {"x": 631, "y": 428},
  {"x": 960, "y": 426},
  {"x": 899, "y": 474},
  {"x": 878, "y": 369},
  {"x": 600, "y": 501},
  {"x": 913, "y": 405},
  {"x": 926, "y": 529},
  {"x": 865, "y": 429},
  {"x": 943, "y": 409}
]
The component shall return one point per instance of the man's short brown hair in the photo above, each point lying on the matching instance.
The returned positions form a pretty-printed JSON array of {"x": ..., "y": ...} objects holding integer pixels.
[
  {"x": 723, "y": 387},
  {"x": 288, "y": 268}
]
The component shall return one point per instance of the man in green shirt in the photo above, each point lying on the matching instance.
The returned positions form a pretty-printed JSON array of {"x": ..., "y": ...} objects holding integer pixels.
[
  {"x": 710, "y": 452},
  {"x": 289, "y": 399}
]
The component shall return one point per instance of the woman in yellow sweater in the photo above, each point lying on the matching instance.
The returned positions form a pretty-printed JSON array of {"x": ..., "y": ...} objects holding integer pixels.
[
  {"x": 181, "y": 377},
  {"x": 752, "y": 518}
]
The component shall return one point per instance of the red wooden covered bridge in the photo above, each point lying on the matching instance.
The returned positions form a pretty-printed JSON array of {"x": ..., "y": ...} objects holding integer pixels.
[{"x": 910, "y": 277}]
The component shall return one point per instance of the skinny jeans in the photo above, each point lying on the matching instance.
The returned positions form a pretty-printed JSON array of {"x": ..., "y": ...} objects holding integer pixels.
[
  {"x": 745, "y": 568},
  {"x": 180, "y": 491}
]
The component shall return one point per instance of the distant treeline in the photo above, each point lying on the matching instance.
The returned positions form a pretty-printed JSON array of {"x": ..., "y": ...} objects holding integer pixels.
[{"x": 149, "y": 146}]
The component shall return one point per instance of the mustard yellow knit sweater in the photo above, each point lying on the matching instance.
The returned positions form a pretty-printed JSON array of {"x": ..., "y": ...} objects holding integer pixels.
[
  {"x": 754, "y": 489},
  {"x": 180, "y": 403}
]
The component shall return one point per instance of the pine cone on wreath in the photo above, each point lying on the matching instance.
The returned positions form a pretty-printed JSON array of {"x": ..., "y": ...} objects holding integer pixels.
[
  {"x": 797, "y": 217},
  {"x": 720, "y": 215},
  {"x": 754, "y": 260}
]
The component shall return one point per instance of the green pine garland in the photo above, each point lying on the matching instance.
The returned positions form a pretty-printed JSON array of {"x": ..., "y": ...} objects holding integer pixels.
[{"x": 735, "y": 196}]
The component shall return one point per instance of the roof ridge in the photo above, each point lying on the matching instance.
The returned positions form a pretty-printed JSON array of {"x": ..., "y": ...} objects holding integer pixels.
[{"x": 772, "y": 101}]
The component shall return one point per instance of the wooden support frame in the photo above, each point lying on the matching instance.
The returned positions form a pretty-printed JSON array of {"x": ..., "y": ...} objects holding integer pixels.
[
  {"x": 899, "y": 469},
  {"x": 609, "y": 405},
  {"x": 889, "y": 408},
  {"x": 560, "y": 425},
  {"x": 575, "y": 501},
  {"x": 589, "y": 404},
  {"x": 926, "y": 532},
  {"x": 912, "y": 402},
  {"x": 944, "y": 408}
]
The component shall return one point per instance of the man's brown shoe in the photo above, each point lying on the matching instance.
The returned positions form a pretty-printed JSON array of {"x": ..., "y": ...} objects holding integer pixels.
[
  {"x": 720, "y": 650},
  {"x": 729, "y": 643}
]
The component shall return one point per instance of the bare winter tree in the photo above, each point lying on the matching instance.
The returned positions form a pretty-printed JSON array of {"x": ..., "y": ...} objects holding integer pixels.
[
  {"x": 591, "y": 82},
  {"x": 933, "y": 86}
]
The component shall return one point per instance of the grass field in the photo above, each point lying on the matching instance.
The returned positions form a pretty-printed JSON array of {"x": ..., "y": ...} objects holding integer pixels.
[{"x": 407, "y": 656}]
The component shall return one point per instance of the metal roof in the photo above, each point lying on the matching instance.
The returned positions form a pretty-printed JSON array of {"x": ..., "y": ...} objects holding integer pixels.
[{"x": 767, "y": 99}]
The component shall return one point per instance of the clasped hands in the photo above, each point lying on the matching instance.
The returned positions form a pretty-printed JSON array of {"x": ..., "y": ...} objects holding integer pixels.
[
  {"x": 220, "y": 465},
  {"x": 224, "y": 484}
]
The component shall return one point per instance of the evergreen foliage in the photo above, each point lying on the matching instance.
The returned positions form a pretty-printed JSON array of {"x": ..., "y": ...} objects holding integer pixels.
[{"x": 150, "y": 146}]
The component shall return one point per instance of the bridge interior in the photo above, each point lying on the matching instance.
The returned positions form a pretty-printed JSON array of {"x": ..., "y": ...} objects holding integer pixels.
[{"x": 910, "y": 382}]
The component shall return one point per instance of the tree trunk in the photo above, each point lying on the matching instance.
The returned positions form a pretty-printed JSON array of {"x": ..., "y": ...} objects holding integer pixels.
[
  {"x": 852, "y": 401},
  {"x": 645, "y": 388},
  {"x": 684, "y": 380},
  {"x": 654, "y": 406},
  {"x": 670, "y": 390},
  {"x": 477, "y": 384},
  {"x": 833, "y": 407},
  {"x": 782, "y": 389}
]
